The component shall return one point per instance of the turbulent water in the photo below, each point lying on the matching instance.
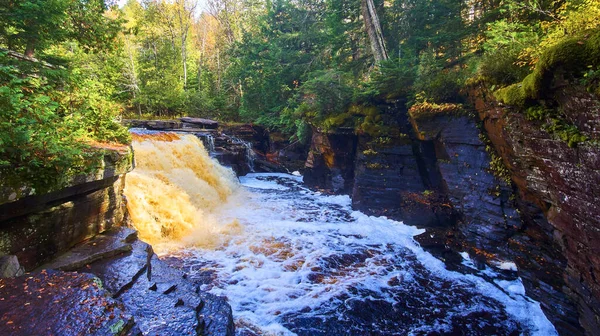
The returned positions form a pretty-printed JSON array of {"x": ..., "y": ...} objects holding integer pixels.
[
  {"x": 175, "y": 191},
  {"x": 299, "y": 262}
]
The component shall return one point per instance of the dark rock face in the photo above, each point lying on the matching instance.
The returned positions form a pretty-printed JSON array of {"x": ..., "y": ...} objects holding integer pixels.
[
  {"x": 559, "y": 191},
  {"x": 438, "y": 176},
  {"x": 330, "y": 162},
  {"x": 36, "y": 227},
  {"x": 256, "y": 135},
  {"x": 389, "y": 182},
  {"x": 487, "y": 217}
]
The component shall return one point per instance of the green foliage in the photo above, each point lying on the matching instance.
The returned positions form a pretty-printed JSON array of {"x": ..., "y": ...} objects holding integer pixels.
[
  {"x": 51, "y": 116},
  {"x": 30, "y": 25},
  {"x": 555, "y": 124},
  {"x": 505, "y": 41},
  {"x": 391, "y": 78},
  {"x": 39, "y": 145},
  {"x": 436, "y": 83},
  {"x": 591, "y": 79},
  {"x": 572, "y": 55}
]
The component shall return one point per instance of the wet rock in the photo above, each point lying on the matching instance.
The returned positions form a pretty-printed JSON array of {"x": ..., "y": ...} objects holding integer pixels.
[
  {"x": 256, "y": 135},
  {"x": 158, "y": 297},
  {"x": 162, "y": 125},
  {"x": 199, "y": 123},
  {"x": 487, "y": 217},
  {"x": 330, "y": 162},
  {"x": 558, "y": 192},
  {"x": 10, "y": 267},
  {"x": 35, "y": 228},
  {"x": 60, "y": 303},
  {"x": 100, "y": 247},
  {"x": 162, "y": 301}
]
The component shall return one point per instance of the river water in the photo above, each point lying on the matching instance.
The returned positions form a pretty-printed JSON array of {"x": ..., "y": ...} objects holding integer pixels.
[{"x": 293, "y": 261}]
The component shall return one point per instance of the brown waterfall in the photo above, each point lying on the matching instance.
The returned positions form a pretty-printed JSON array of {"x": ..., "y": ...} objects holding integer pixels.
[{"x": 176, "y": 192}]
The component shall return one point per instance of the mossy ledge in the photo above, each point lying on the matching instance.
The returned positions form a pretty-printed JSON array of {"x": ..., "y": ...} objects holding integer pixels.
[
  {"x": 426, "y": 110},
  {"x": 573, "y": 55}
]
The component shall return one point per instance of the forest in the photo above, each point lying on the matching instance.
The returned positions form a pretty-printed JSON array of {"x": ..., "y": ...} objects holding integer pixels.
[{"x": 70, "y": 70}]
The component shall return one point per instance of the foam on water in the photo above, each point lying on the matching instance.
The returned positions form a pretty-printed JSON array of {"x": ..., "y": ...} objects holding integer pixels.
[{"x": 304, "y": 262}]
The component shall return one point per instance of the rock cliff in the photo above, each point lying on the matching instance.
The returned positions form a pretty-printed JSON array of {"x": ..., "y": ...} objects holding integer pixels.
[
  {"x": 490, "y": 181},
  {"x": 35, "y": 227}
]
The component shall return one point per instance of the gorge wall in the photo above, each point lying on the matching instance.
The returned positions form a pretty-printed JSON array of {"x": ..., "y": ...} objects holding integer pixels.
[
  {"x": 36, "y": 227},
  {"x": 489, "y": 182}
]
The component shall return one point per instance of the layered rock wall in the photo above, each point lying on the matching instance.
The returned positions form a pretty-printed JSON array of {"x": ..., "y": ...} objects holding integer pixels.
[
  {"x": 37, "y": 227},
  {"x": 559, "y": 188},
  {"x": 441, "y": 173}
]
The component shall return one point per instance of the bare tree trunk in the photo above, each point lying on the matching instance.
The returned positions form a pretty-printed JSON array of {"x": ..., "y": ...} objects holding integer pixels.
[
  {"x": 185, "y": 11},
  {"x": 373, "y": 28}
]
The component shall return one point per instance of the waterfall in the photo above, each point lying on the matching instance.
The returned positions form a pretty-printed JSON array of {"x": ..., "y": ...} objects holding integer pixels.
[
  {"x": 211, "y": 143},
  {"x": 176, "y": 190},
  {"x": 250, "y": 155}
]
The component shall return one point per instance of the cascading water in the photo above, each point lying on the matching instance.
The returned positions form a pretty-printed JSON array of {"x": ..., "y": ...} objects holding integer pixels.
[
  {"x": 250, "y": 155},
  {"x": 176, "y": 191},
  {"x": 211, "y": 143},
  {"x": 304, "y": 263}
]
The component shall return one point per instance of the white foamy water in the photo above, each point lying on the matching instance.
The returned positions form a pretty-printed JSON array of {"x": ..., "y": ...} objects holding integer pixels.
[{"x": 305, "y": 263}]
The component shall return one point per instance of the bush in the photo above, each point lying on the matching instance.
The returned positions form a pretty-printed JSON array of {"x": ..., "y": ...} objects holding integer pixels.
[{"x": 435, "y": 83}]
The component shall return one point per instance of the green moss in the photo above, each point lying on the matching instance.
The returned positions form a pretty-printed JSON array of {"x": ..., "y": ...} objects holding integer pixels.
[
  {"x": 376, "y": 165},
  {"x": 426, "y": 110},
  {"x": 555, "y": 124},
  {"x": 497, "y": 166},
  {"x": 572, "y": 54}
]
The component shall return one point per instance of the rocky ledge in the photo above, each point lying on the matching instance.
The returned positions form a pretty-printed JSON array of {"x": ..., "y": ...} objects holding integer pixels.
[{"x": 111, "y": 284}]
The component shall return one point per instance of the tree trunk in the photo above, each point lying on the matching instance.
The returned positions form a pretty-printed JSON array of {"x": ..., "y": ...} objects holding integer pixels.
[
  {"x": 373, "y": 29},
  {"x": 30, "y": 48},
  {"x": 184, "y": 60}
]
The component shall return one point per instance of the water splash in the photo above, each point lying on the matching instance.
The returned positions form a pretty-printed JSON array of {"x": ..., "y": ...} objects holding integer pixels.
[
  {"x": 176, "y": 192},
  {"x": 309, "y": 265}
]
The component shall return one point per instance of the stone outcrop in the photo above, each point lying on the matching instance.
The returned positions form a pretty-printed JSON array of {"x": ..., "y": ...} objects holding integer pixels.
[
  {"x": 442, "y": 173},
  {"x": 61, "y": 303},
  {"x": 128, "y": 289},
  {"x": 36, "y": 227},
  {"x": 487, "y": 217},
  {"x": 559, "y": 188},
  {"x": 330, "y": 162},
  {"x": 199, "y": 123}
]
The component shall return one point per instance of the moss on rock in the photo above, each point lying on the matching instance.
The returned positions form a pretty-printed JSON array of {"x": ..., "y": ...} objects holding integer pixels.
[{"x": 572, "y": 55}]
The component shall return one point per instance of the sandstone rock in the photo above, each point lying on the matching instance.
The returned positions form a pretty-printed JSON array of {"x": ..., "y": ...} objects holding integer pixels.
[
  {"x": 330, "y": 162},
  {"x": 37, "y": 227},
  {"x": 162, "y": 125},
  {"x": 60, "y": 303},
  {"x": 558, "y": 192},
  {"x": 158, "y": 297}
]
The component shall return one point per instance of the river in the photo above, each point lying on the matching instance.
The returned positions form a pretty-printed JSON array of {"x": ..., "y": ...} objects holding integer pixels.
[{"x": 294, "y": 261}]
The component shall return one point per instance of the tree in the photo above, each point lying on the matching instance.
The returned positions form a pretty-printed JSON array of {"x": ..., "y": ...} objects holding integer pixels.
[
  {"x": 373, "y": 28},
  {"x": 31, "y": 25}
]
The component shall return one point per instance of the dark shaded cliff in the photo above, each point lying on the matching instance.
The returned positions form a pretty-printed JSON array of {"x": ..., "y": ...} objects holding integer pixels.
[
  {"x": 494, "y": 183},
  {"x": 558, "y": 188}
]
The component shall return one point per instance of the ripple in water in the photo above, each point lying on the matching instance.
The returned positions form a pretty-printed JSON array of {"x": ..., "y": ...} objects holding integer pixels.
[{"x": 307, "y": 264}]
